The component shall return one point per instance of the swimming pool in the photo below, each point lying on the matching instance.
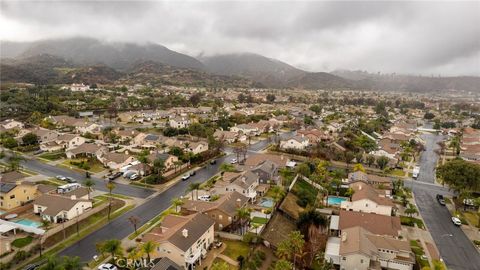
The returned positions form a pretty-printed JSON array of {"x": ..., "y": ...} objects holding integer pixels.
[
  {"x": 266, "y": 202},
  {"x": 28, "y": 222},
  {"x": 2, "y": 212},
  {"x": 336, "y": 201}
]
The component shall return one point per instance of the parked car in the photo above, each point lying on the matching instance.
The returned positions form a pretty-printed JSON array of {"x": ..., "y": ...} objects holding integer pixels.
[
  {"x": 213, "y": 161},
  {"x": 114, "y": 176},
  {"x": 38, "y": 152},
  {"x": 456, "y": 221},
  {"x": 134, "y": 176},
  {"x": 440, "y": 199},
  {"x": 107, "y": 266},
  {"x": 61, "y": 177},
  {"x": 205, "y": 198},
  {"x": 185, "y": 176},
  {"x": 70, "y": 180},
  {"x": 233, "y": 161}
]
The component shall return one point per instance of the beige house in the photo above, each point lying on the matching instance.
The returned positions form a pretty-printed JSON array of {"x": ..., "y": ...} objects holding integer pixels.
[
  {"x": 183, "y": 239},
  {"x": 58, "y": 208},
  {"x": 116, "y": 161},
  {"x": 11, "y": 124},
  {"x": 222, "y": 211},
  {"x": 245, "y": 183},
  {"x": 86, "y": 150},
  {"x": 16, "y": 194},
  {"x": 359, "y": 249},
  {"x": 69, "y": 141},
  {"x": 179, "y": 122},
  {"x": 366, "y": 199},
  {"x": 295, "y": 142}
]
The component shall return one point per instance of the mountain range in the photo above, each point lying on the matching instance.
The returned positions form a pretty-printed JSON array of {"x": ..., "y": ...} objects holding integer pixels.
[{"x": 92, "y": 61}]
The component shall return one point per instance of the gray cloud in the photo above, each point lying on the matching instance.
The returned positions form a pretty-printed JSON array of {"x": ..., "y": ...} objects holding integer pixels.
[{"x": 403, "y": 37}]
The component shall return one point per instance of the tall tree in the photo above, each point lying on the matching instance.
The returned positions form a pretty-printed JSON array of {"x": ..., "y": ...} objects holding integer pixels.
[
  {"x": 243, "y": 215},
  {"x": 134, "y": 220},
  {"x": 382, "y": 162},
  {"x": 194, "y": 187},
  {"x": 89, "y": 184},
  {"x": 113, "y": 247},
  {"x": 177, "y": 202},
  {"x": 148, "y": 248},
  {"x": 110, "y": 186}
]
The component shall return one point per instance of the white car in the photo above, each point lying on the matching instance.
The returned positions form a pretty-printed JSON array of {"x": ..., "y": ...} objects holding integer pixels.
[
  {"x": 107, "y": 266},
  {"x": 233, "y": 161},
  {"x": 456, "y": 221},
  {"x": 205, "y": 198},
  {"x": 134, "y": 176},
  {"x": 185, "y": 176}
]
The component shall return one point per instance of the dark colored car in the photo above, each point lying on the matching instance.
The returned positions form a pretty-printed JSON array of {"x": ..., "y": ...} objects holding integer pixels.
[
  {"x": 114, "y": 176},
  {"x": 70, "y": 180},
  {"x": 440, "y": 199},
  {"x": 213, "y": 161}
]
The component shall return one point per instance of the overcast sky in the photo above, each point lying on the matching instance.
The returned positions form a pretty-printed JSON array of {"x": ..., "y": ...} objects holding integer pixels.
[{"x": 414, "y": 37}]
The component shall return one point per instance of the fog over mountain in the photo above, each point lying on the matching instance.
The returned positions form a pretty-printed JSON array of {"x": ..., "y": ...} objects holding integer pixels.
[{"x": 427, "y": 38}]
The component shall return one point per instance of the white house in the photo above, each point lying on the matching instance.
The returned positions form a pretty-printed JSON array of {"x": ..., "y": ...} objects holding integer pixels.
[
  {"x": 11, "y": 124},
  {"x": 247, "y": 129},
  {"x": 69, "y": 141},
  {"x": 197, "y": 147},
  {"x": 56, "y": 208},
  {"x": 182, "y": 239},
  {"x": 367, "y": 200},
  {"x": 179, "y": 122},
  {"x": 295, "y": 142}
]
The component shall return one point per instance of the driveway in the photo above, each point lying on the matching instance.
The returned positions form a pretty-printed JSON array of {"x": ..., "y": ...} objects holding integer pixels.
[{"x": 455, "y": 248}]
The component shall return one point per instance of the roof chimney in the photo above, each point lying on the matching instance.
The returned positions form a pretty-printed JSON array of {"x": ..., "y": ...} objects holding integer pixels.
[
  {"x": 344, "y": 236},
  {"x": 185, "y": 233}
]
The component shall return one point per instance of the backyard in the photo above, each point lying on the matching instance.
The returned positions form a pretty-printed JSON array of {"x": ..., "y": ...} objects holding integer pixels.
[{"x": 233, "y": 249}]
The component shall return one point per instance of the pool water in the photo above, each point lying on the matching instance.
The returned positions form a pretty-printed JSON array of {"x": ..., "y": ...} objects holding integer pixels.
[
  {"x": 266, "y": 202},
  {"x": 333, "y": 200},
  {"x": 28, "y": 222},
  {"x": 2, "y": 212}
]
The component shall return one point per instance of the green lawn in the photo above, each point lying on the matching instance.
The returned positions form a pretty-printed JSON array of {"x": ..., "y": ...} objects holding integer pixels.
[
  {"x": 21, "y": 242},
  {"x": 233, "y": 249},
  {"x": 92, "y": 165},
  {"x": 218, "y": 260},
  {"x": 472, "y": 218},
  {"x": 52, "y": 155},
  {"x": 397, "y": 172},
  {"x": 418, "y": 250},
  {"x": 259, "y": 220},
  {"x": 410, "y": 221}
]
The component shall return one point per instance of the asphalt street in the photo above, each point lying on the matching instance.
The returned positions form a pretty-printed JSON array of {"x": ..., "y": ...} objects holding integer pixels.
[
  {"x": 455, "y": 248},
  {"x": 100, "y": 184},
  {"x": 120, "y": 227}
]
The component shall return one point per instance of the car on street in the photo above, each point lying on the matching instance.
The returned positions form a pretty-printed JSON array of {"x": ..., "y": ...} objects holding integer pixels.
[
  {"x": 61, "y": 177},
  {"x": 70, "y": 180},
  {"x": 185, "y": 176},
  {"x": 440, "y": 199},
  {"x": 134, "y": 176},
  {"x": 107, "y": 266},
  {"x": 192, "y": 173},
  {"x": 233, "y": 161},
  {"x": 213, "y": 161},
  {"x": 114, "y": 176},
  {"x": 38, "y": 152},
  {"x": 456, "y": 221},
  {"x": 205, "y": 198}
]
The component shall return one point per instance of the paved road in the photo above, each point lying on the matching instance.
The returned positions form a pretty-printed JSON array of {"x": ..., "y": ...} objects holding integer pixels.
[
  {"x": 455, "y": 248},
  {"x": 121, "y": 227},
  {"x": 49, "y": 170}
]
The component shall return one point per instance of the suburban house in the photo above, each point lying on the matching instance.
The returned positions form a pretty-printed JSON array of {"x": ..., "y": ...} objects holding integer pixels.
[
  {"x": 378, "y": 182},
  {"x": 358, "y": 248},
  {"x": 243, "y": 182},
  {"x": 11, "y": 177},
  {"x": 179, "y": 122},
  {"x": 314, "y": 135},
  {"x": 295, "y": 142},
  {"x": 222, "y": 211},
  {"x": 86, "y": 150},
  {"x": 45, "y": 135},
  {"x": 115, "y": 160},
  {"x": 267, "y": 172},
  {"x": 182, "y": 239},
  {"x": 246, "y": 129},
  {"x": 11, "y": 124},
  {"x": 196, "y": 147},
  {"x": 227, "y": 136},
  {"x": 88, "y": 127},
  {"x": 168, "y": 160},
  {"x": 366, "y": 199},
  {"x": 16, "y": 194},
  {"x": 255, "y": 160},
  {"x": 57, "y": 208},
  {"x": 374, "y": 223},
  {"x": 69, "y": 141}
]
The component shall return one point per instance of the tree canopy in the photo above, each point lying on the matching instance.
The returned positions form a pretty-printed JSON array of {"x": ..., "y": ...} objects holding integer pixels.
[{"x": 460, "y": 175}]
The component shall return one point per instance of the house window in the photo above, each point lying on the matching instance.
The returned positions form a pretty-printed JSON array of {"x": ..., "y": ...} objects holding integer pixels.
[
  {"x": 12, "y": 197},
  {"x": 220, "y": 217},
  {"x": 361, "y": 260}
]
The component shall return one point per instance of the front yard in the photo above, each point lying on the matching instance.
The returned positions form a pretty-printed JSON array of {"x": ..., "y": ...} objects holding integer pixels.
[
  {"x": 91, "y": 165},
  {"x": 411, "y": 221},
  {"x": 52, "y": 156}
]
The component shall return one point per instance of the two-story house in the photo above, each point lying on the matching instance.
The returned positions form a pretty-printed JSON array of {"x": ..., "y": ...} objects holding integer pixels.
[{"x": 366, "y": 199}]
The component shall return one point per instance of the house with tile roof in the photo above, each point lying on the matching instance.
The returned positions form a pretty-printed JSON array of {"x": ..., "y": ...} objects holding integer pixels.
[
  {"x": 182, "y": 239},
  {"x": 298, "y": 142},
  {"x": 245, "y": 183},
  {"x": 57, "y": 208},
  {"x": 223, "y": 211},
  {"x": 374, "y": 223},
  {"x": 367, "y": 200}
]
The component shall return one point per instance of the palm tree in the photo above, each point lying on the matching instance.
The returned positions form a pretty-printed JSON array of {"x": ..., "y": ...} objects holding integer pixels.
[
  {"x": 89, "y": 183},
  {"x": 284, "y": 250},
  {"x": 134, "y": 255},
  {"x": 277, "y": 193},
  {"x": 148, "y": 248},
  {"x": 110, "y": 187},
  {"x": 243, "y": 215},
  {"x": 71, "y": 263},
  {"x": 113, "y": 246},
  {"x": 297, "y": 242},
  {"x": 194, "y": 187},
  {"x": 52, "y": 264},
  {"x": 309, "y": 222},
  {"x": 411, "y": 210},
  {"x": 46, "y": 224},
  {"x": 177, "y": 202},
  {"x": 283, "y": 265},
  {"x": 134, "y": 220}
]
